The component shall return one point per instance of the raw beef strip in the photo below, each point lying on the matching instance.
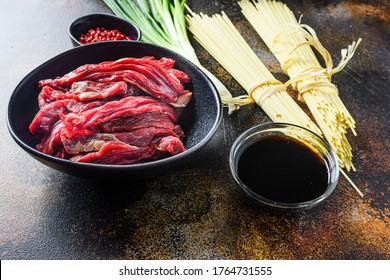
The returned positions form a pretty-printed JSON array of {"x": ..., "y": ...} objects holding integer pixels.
[
  {"x": 49, "y": 95},
  {"x": 52, "y": 144},
  {"x": 132, "y": 123},
  {"x": 170, "y": 145},
  {"x": 120, "y": 64},
  {"x": 127, "y": 107},
  {"x": 90, "y": 90},
  {"x": 148, "y": 135},
  {"x": 79, "y": 107},
  {"x": 82, "y": 141},
  {"x": 165, "y": 63},
  {"x": 146, "y": 74},
  {"x": 122, "y": 153},
  {"x": 117, "y": 153},
  {"x": 168, "y": 64},
  {"x": 83, "y": 91},
  {"x": 48, "y": 116}
]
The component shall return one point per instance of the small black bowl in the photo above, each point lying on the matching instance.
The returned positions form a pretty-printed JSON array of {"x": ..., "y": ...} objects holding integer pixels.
[
  {"x": 83, "y": 24},
  {"x": 199, "y": 120}
]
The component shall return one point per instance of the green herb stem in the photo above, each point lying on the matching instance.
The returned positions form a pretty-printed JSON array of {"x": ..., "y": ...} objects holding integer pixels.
[{"x": 162, "y": 22}]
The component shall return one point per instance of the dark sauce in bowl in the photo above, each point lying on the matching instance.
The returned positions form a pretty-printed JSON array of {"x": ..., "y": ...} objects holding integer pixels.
[
  {"x": 283, "y": 169},
  {"x": 284, "y": 166}
]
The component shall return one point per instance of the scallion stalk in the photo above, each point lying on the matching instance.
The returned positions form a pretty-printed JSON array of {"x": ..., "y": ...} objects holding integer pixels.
[{"x": 162, "y": 22}]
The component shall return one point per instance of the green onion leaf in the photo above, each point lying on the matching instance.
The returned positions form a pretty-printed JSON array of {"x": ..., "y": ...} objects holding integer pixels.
[{"x": 162, "y": 22}]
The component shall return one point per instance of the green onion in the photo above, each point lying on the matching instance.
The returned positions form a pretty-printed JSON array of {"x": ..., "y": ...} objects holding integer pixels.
[{"x": 162, "y": 22}]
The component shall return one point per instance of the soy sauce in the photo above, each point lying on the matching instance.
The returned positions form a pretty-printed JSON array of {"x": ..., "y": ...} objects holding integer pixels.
[{"x": 283, "y": 169}]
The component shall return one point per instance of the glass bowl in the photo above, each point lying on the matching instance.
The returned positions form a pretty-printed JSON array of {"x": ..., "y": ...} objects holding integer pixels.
[{"x": 284, "y": 175}]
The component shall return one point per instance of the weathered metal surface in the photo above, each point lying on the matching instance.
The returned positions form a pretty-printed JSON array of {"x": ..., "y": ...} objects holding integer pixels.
[{"x": 197, "y": 211}]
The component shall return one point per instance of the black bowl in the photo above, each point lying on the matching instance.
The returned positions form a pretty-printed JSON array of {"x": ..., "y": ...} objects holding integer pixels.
[
  {"x": 82, "y": 25},
  {"x": 199, "y": 120}
]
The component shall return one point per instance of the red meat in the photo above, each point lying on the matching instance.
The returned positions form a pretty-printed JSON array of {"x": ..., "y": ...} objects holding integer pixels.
[
  {"x": 52, "y": 144},
  {"x": 82, "y": 91},
  {"x": 83, "y": 141},
  {"x": 116, "y": 153},
  {"x": 146, "y": 73},
  {"x": 126, "y": 108},
  {"x": 170, "y": 145},
  {"x": 114, "y": 112},
  {"x": 48, "y": 116}
]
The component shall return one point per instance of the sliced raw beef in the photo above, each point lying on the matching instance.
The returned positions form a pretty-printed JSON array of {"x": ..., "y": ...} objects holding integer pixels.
[
  {"x": 90, "y": 90},
  {"x": 136, "y": 122},
  {"x": 170, "y": 145},
  {"x": 145, "y": 73},
  {"x": 117, "y": 153},
  {"x": 83, "y": 91},
  {"x": 126, "y": 108},
  {"x": 83, "y": 141},
  {"x": 114, "y": 112},
  {"x": 52, "y": 144},
  {"x": 121, "y": 153},
  {"x": 48, "y": 116}
]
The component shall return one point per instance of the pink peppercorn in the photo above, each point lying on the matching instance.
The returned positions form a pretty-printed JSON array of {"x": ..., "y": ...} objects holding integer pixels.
[{"x": 100, "y": 34}]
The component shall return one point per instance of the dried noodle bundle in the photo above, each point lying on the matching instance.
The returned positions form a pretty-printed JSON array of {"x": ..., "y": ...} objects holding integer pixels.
[
  {"x": 222, "y": 40},
  {"x": 291, "y": 43}
]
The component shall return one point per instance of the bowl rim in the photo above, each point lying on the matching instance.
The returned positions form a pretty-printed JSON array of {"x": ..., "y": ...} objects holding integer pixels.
[
  {"x": 277, "y": 204},
  {"x": 138, "y": 166},
  {"x": 106, "y": 15}
]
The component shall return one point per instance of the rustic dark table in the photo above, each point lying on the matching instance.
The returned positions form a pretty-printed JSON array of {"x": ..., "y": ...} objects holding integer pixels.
[{"x": 197, "y": 211}]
